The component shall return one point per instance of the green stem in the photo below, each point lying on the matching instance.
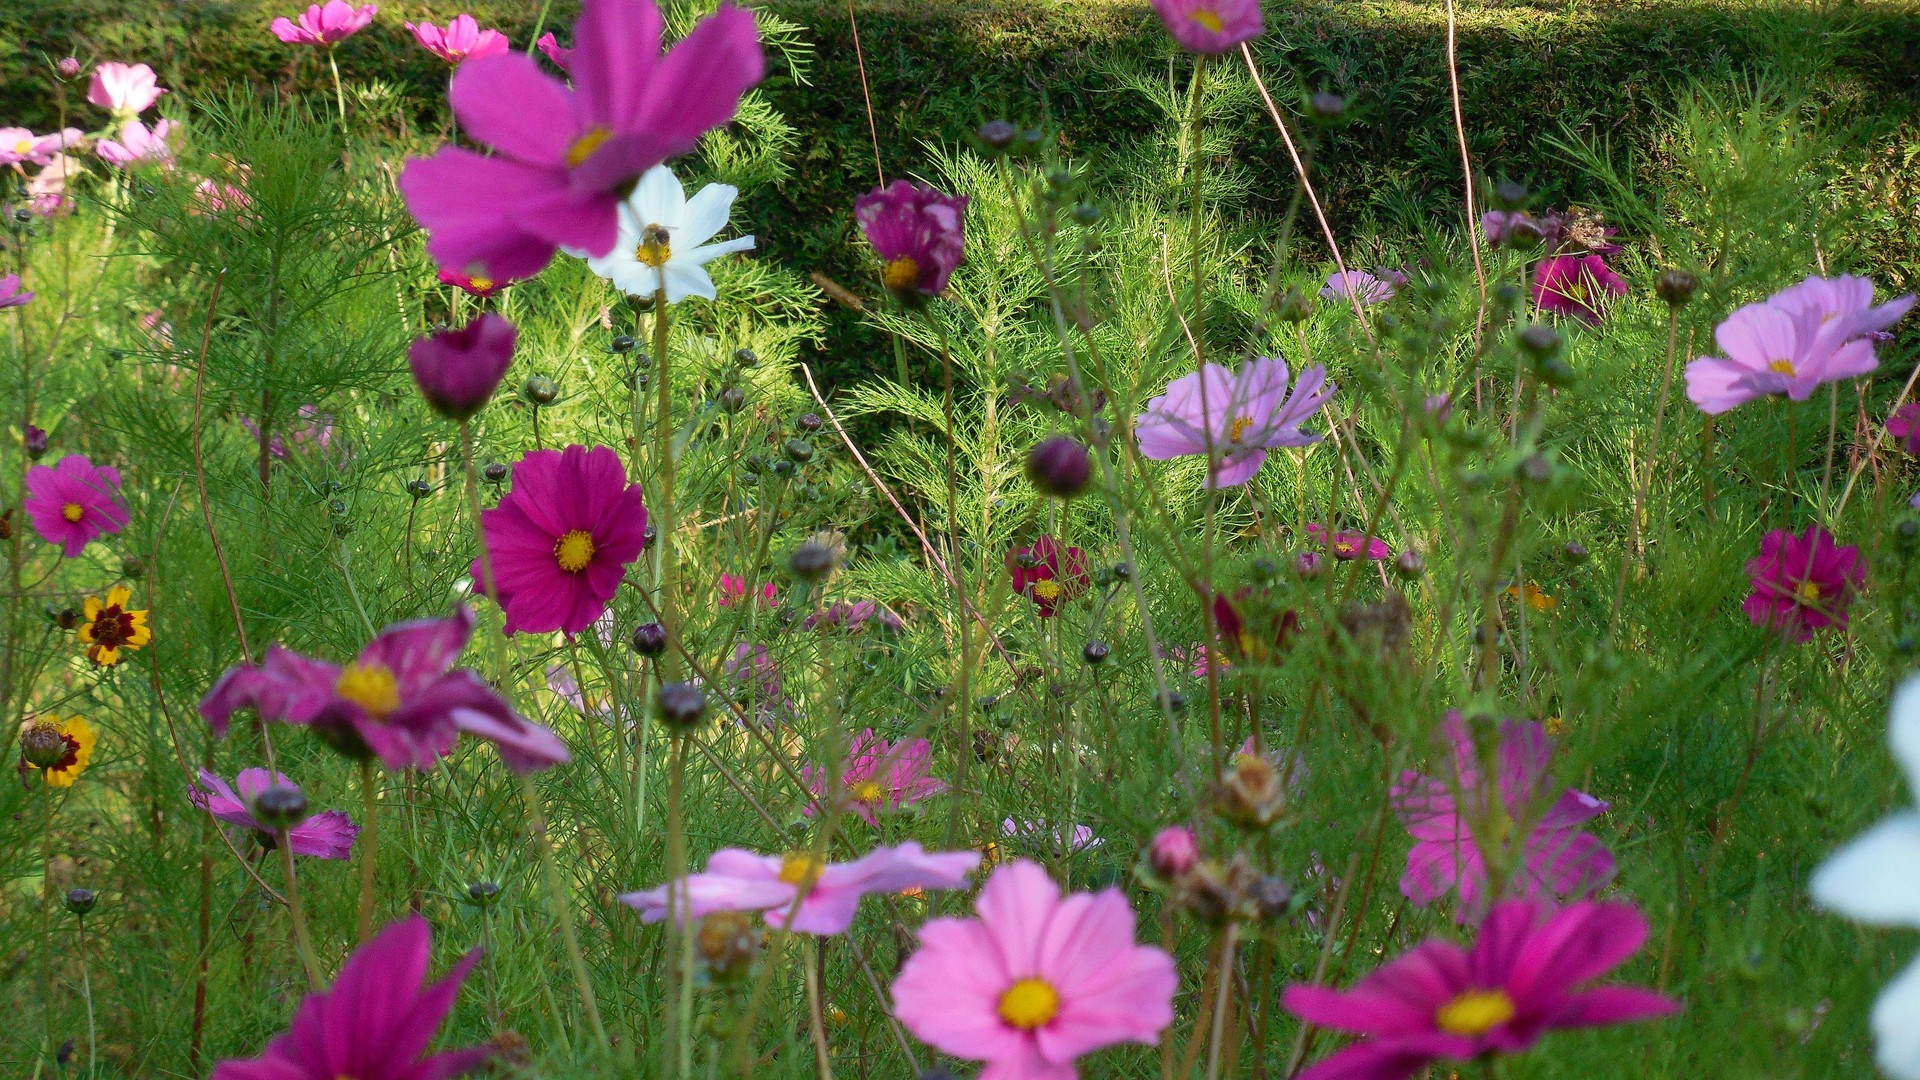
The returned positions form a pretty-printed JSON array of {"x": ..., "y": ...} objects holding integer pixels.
[
  {"x": 339, "y": 100},
  {"x": 811, "y": 961},
  {"x": 301, "y": 941},
  {"x": 369, "y": 844},
  {"x": 663, "y": 465},
  {"x": 562, "y": 908},
  {"x": 86, "y": 994}
]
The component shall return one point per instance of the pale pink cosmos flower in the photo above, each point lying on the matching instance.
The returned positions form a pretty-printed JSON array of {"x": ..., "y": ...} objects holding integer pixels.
[
  {"x": 126, "y": 90},
  {"x": 327, "y": 24},
  {"x": 738, "y": 880},
  {"x": 1036, "y": 981},
  {"x": 1243, "y": 415},
  {"x": 137, "y": 143},
  {"x": 460, "y": 40},
  {"x": 1816, "y": 332},
  {"x": 19, "y": 146},
  {"x": 563, "y": 159},
  {"x": 1045, "y": 834},
  {"x": 47, "y": 193},
  {"x": 877, "y": 775},
  {"x": 1375, "y": 288}
]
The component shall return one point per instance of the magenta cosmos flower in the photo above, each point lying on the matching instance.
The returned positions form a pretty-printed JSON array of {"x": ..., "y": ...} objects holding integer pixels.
[
  {"x": 19, "y": 146},
  {"x": 877, "y": 775},
  {"x": 478, "y": 285},
  {"x": 1580, "y": 286},
  {"x": 733, "y": 590},
  {"x": 1528, "y": 973},
  {"x": 374, "y": 1023},
  {"x": 1243, "y": 415},
  {"x": 73, "y": 503},
  {"x": 1452, "y": 814},
  {"x": 1036, "y": 981},
  {"x": 458, "y": 370},
  {"x": 737, "y": 880},
  {"x": 324, "y": 24},
  {"x": 1210, "y": 26},
  {"x": 126, "y": 90},
  {"x": 1816, "y": 332},
  {"x": 326, "y": 835},
  {"x": 1047, "y": 575},
  {"x": 564, "y": 159},
  {"x": 918, "y": 233},
  {"x": 1347, "y": 545},
  {"x": 562, "y": 538},
  {"x": 460, "y": 40},
  {"x": 400, "y": 700},
  {"x": 1803, "y": 583},
  {"x": 562, "y": 57},
  {"x": 11, "y": 295},
  {"x": 1903, "y": 425},
  {"x": 1375, "y": 288}
]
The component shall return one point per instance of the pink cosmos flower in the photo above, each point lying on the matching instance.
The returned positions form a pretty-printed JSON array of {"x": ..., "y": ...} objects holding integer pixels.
[
  {"x": 1450, "y": 816},
  {"x": 918, "y": 232},
  {"x": 137, "y": 143},
  {"x": 851, "y": 616},
  {"x": 1198, "y": 658},
  {"x": 458, "y": 370},
  {"x": 1803, "y": 583},
  {"x": 73, "y": 503},
  {"x": 1243, "y": 415},
  {"x": 1036, "y": 981},
  {"x": 315, "y": 429},
  {"x": 1251, "y": 627},
  {"x": 326, "y": 835},
  {"x": 1903, "y": 425},
  {"x": 21, "y": 146},
  {"x": 737, "y": 880},
  {"x": 473, "y": 284},
  {"x": 562, "y": 58},
  {"x": 1375, "y": 288},
  {"x": 755, "y": 680},
  {"x": 564, "y": 159},
  {"x": 327, "y": 24},
  {"x": 1173, "y": 851},
  {"x": 877, "y": 775},
  {"x": 460, "y": 41},
  {"x": 11, "y": 295},
  {"x": 1041, "y": 574},
  {"x": 399, "y": 700},
  {"x": 375, "y": 1021},
  {"x": 216, "y": 196},
  {"x": 1581, "y": 286},
  {"x": 1816, "y": 332},
  {"x": 1346, "y": 545},
  {"x": 47, "y": 193},
  {"x": 1046, "y": 834},
  {"x": 127, "y": 90},
  {"x": 1210, "y": 26},
  {"x": 562, "y": 538},
  {"x": 733, "y": 590},
  {"x": 1527, "y": 974}
]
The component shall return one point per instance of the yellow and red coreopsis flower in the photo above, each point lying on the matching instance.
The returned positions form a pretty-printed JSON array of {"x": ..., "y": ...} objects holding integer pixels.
[
  {"x": 110, "y": 627},
  {"x": 61, "y": 748}
]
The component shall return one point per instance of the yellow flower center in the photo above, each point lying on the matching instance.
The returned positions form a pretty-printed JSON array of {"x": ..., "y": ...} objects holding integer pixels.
[
  {"x": 1207, "y": 18},
  {"x": 574, "y": 551},
  {"x": 1240, "y": 427},
  {"x": 1809, "y": 592},
  {"x": 867, "y": 791},
  {"x": 654, "y": 250},
  {"x": 73, "y": 512},
  {"x": 1048, "y": 591},
  {"x": 902, "y": 273},
  {"x": 584, "y": 146},
  {"x": 800, "y": 868},
  {"x": 1029, "y": 1003},
  {"x": 1346, "y": 547},
  {"x": 1784, "y": 367},
  {"x": 370, "y": 686},
  {"x": 1475, "y": 1012},
  {"x": 23, "y": 146},
  {"x": 480, "y": 282}
]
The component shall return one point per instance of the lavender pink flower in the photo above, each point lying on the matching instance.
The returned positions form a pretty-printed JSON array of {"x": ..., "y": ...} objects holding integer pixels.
[
  {"x": 828, "y": 893},
  {"x": 374, "y": 1023},
  {"x": 137, "y": 143},
  {"x": 1047, "y": 575},
  {"x": 399, "y": 700},
  {"x": 126, "y": 90},
  {"x": 1235, "y": 416},
  {"x": 1036, "y": 981},
  {"x": 1537, "y": 834},
  {"x": 20, "y": 146},
  {"x": 1209, "y": 26},
  {"x": 1816, "y": 332},
  {"x": 11, "y": 294},
  {"x": 1375, "y": 288},
  {"x": 561, "y": 540},
  {"x": 460, "y": 40},
  {"x": 919, "y": 234},
  {"x": 851, "y": 616},
  {"x": 1903, "y": 425},
  {"x": 563, "y": 159},
  {"x": 877, "y": 775},
  {"x": 326, "y": 835},
  {"x": 1803, "y": 583},
  {"x": 1529, "y": 972},
  {"x": 755, "y": 680},
  {"x": 74, "y": 503},
  {"x": 324, "y": 24},
  {"x": 1579, "y": 286},
  {"x": 458, "y": 370}
]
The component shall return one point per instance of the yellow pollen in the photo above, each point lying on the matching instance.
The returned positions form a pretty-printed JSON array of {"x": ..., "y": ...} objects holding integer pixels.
[
  {"x": 574, "y": 551},
  {"x": 867, "y": 791},
  {"x": 370, "y": 686},
  {"x": 654, "y": 250},
  {"x": 480, "y": 283},
  {"x": 1809, "y": 592},
  {"x": 73, "y": 512},
  {"x": 1240, "y": 427},
  {"x": 800, "y": 868},
  {"x": 1048, "y": 591},
  {"x": 1784, "y": 367},
  {"x": 902, "y": 273},
  {"x": 584, "y": 146},
  {"x": 1029, "y": 1003},
  {"x": 1206, "y": 17},
  {"x": 1475, "y": 1012},
  {"x": 23, "y": 146}
]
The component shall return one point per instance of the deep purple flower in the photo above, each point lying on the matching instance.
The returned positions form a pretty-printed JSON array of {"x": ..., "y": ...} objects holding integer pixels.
[
  {"x": 561, "y": 540},
  {"x": 399, "y": 700},
  {"x": 375, "y": 1021},
  {"x": 74, "y": 502},
  {"x": 564, "y": 159},
  {"x": 1451, "y": 815},
  {"x": 1581, "y": 286},
  {"x": 918, "y": 234},
  {"x": 325, "y": 24},
  {"x": 326, "y": 835},
  {"x": 460, "y": 40},
  {"x": 1047, "y": 575},
  {"x": 11, "y": 294},
  {"x": 1816, "y": 332},
  {"x": 1375, "y": 288},
  {"x": 1209, "y": 26},
  {"x": 1243, "y": 415},
  {"x": 1803, "y": 583},
  {"x": 34, "y": 439},
  {"x": 1904, "y": 426},
  {"x": 457, "y": 370}
]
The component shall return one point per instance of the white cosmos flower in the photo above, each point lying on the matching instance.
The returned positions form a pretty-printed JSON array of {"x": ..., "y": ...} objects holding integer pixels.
[
  {"x": 1876, "y": 879},
  {"x": 664, "y": 234}
]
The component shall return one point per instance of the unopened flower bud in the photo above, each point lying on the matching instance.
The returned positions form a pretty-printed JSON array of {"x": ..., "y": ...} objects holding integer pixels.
[
  {"x": 1095, "y": 652},
  {"x": 36, "y": 441},
  {"x": 419, "y": 489},
  {"x": 281, "y": 806},
  {"x": 1326, "y": 106},
  {"x": 1272, "y": 897},
  {"x": 1309, "y": 564},
  {"x": 1086, "y": 213},
  {"x": 799, "y": 450},
  {"x": 1060, "y": 466},
  {"x": 1032, "y": 139},
  {"x": 68, "y": 67},
  {"x": 1409, "y": 565},
  {"x": 811, "y": 562},
  {"x": 623, "y": 343},
  {"x": 650, "y": 640},
  {"x": 1175, "y": 701},
  {"x": 540, "y": 390},
  {"x": 482, "y": 893},
  {"x": 808, "y": 422},
  {"x": 1539, "y": 340},
  {"x": 1675, "y": 287},
  {"x": 733, "y": 399},
  {"x": 647, "y": 536},
  {"x": 1173, "y": 852},
  {"x": 1250, "y": 793},
  {"x": 681, "y": 704},
  {"x": 42, "y": 744},
  {"x": 1508, "y": 195},
  {"x": 1575, "y": 551},
  {"x": 133, "y": 568},
  {"x": 997, "y": 134},
  {"x": 66, "y": 618},
  {"x": 1535, "y": 469},
  {"x": 80, "y": 901},
  {"x": 746, "y": 357},
  {"x": 495, "y": 473}
]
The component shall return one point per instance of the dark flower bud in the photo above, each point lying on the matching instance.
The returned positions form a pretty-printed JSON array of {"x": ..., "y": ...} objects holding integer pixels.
[
  {"x": 1539, "y": 340},
  {"x": 987, "y": 702},
  {"x": 1326, "y": 106},
  {"x": 1032, "y": 139},
  {"x": 458, "y": 370},
  {"x": 733, "y": 399},
  {"x": 1508, "y": 195},
  {"x": 1086, "y": 213},
  {"x": 65, "y": 1054},
  {"x": 1059, "y": 466},
  {"x": 419, "y": 489},
  {"x": 495, "y": 473},
  {"x": 650, "y": 640},
  {"x": 1059, "y": 179},
  {"x": 800, "y": 450},
  {"x": 281, "y": 806},
  {"x": 1506, "y": 294},
  {"x": 812, "y": 562},
  {"x": 1556, "y": 372},
  {"x": 1095, "y": 652},
  {"x": 997, "y": 134},
  {"x": 783, "y": 467},
  {"x": 337, "y": 507},
  {"x": 1123, "y": 571},
  {"x": 1675, "y": 287},
  {"x": 483, "y": 893},
  {"x": 1409, "y": 565},
  {"x": 1575, "y": 551},
  {"x": 42, "y": 744},
  {"x": 80, "y": 901},
  {"x": 133, "y": 567},
  {"x": 1272, "y": 897},
  {"x": 36, "y": 441},
  {"x": 746, "y": 358},
  {"x": 622, "y": 343},
  {"x": 1535, "y": 469},
  {"x": 681, "y": 704},
  {"x": 1175, "y": 701},
  {"x": 68, "y": 67},
  {"x": 808, "y": 422},
  {"x": 540, "y": 390},
  {"x": 647, "y": 536},
  {"x": 66, "y": 618}
]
